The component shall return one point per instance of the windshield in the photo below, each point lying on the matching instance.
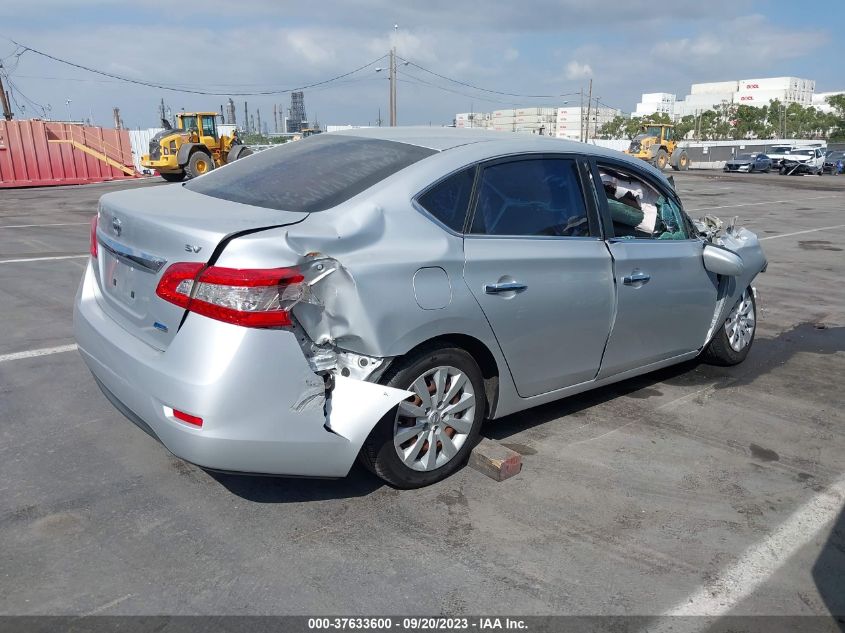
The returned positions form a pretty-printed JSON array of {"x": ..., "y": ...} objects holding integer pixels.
[
  {"x": 313, "y": 174},
  {"x": 745, "y": 157},
  {"x": 836, "y": 155},
  {"x": 189, "y": 123},
  {"x": 779, "y": 149},
  {"x": 653, "y": 130}
]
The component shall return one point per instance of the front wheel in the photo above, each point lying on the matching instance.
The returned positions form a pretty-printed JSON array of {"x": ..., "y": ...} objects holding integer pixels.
[
  {"x": 200, "y": 163},
  {"x": 731, "y": 344},
  {"x": 430, "y": 435},
  {"x": 661, "y": 159}
]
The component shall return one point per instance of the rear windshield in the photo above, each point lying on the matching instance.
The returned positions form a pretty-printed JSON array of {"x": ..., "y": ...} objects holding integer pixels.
[{"x": 313, "y": 174}]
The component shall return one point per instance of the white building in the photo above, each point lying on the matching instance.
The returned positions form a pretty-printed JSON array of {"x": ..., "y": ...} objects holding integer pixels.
[
  {"x": 655, "y": 103},
  {"x": 752, "y": 92},
  {"x": 820, "y": 100},
  {"x": 542, "y": 120}
]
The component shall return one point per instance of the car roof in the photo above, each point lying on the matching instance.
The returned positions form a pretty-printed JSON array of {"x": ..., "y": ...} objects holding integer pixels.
[{"x": 497, "y": 143}]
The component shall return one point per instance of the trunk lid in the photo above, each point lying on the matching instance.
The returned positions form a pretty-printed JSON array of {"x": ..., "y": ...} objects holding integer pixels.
[{"x": 141, "y": 232}]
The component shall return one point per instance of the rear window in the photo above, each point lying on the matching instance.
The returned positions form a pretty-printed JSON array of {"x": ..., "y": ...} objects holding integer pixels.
[{"x": 310, "y": 175}]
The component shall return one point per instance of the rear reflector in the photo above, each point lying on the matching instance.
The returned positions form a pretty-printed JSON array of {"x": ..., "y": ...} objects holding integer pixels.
[
  {"x": 251, "y": 297},
  {"x": 93, "y": 244},
  {"x": 185, "y": 417}
]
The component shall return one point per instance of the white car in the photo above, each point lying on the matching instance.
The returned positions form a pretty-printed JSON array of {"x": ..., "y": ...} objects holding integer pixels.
[{"x": 808, "y": 160}]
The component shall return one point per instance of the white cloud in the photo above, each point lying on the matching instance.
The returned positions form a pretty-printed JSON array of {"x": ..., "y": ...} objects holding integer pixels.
[
  {"x": 576, "y": 70},
  {"x": 511, "y": 54}
]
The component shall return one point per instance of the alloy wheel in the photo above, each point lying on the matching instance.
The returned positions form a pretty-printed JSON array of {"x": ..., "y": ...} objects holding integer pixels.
[
  {"x": 741, "y": 323},
  {"x": 432, "y": 425}
]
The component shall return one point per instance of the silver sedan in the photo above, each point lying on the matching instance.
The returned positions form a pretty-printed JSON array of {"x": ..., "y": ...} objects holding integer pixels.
[{"x": 377, "y": 294}]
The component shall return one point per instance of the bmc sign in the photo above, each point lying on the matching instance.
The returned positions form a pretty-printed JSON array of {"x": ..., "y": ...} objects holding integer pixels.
[{"x": 751, "y": 86}]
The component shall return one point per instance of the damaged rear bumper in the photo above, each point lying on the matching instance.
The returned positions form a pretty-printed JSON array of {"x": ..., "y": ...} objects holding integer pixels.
[{"x": 263, "y": 409}]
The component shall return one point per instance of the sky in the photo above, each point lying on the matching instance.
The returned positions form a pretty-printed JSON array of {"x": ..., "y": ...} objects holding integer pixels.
[{"x": 527, "y": 47}]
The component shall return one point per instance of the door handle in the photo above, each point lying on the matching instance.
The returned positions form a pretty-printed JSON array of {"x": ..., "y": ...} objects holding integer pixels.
[
  {"x": 636, "y": 279},
  {"x": 506, "y": 286}
]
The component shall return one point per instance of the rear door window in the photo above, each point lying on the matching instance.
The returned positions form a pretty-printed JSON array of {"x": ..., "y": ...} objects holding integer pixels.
[
  {"x": 448, "y": 200},
  {"x": 533, "y": 197},
  {"x": 310, "y": 175}
]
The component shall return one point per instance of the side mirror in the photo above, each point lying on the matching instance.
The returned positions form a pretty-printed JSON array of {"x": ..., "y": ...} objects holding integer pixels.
[{"x": 722, "y": 261}]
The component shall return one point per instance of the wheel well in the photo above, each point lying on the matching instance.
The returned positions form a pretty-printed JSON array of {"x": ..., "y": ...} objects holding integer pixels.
[{"x": 481, "y": 355}]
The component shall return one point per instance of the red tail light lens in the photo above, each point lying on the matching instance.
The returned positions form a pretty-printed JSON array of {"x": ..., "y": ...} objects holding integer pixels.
[
  {"x": 187, "y": 417},
  {"x": 92, "y": 247},
  {"x": 251, "y": 297}
]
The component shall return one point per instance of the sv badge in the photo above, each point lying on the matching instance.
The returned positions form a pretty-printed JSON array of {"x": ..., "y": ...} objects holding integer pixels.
[{"x": 190, "y": 248}]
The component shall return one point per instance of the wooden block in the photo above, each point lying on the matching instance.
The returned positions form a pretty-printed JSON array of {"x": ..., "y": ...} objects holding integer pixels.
[{"x": 494, "y": 460}]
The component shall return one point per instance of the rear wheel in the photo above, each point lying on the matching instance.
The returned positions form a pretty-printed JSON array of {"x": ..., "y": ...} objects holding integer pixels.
[
  {"x": 430, "y": 435},
  {"x": 731, "y": 344},
  {"x": 173, "y": 176},
  {"x": 198, "y": 164}
]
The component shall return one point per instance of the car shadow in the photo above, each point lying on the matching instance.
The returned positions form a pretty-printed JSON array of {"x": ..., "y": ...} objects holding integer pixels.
[
  {"x": 272, "y": 489},
  {"x": 828, "y": 571},
  {"x": 765, "y": 355}
]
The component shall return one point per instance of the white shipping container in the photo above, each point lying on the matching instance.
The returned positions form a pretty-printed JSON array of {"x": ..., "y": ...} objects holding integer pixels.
[
  {"x": 770, "y": 83},
  {"x": 759, "y": 97},
  {"x": 503, "y": 113},
  {"x": 537, "y": 111},
  {"x": 714, "y": 86},
  {"x": 709, "y": 98}
]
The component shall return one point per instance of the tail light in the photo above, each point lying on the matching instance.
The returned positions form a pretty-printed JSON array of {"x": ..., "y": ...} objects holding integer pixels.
[
  {"x": 92, "y": 247},
  {"x": 252, "y": 297}
]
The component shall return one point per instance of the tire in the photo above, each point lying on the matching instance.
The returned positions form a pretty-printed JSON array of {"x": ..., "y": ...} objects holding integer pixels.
[
  {"x": 379, "y": 453},
  {"x": 723, "y": 349},
  {"x": 198, "y": 164},
  {"x": 237, "y": 152},
  {"x": 751, "y": 169},
  {"x": 173, "y": 176},
  {"x": 661, "y": 159}
]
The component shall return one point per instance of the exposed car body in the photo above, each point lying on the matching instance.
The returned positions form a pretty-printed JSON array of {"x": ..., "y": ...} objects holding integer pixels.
[
  {"x": 269, "y": 316},
  {"x": 834, "y": 163},
  {"x": 749, "y": 163}
]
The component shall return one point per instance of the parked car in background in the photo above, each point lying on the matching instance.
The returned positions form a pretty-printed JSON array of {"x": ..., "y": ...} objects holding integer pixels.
[
  {"x": 834, "y": 163},
  {"x": 379, "y": 293},
  {"x": 807, "y": 160},
  {"x": 749, "y": 163},
  {"x": 777, "y": 153}
]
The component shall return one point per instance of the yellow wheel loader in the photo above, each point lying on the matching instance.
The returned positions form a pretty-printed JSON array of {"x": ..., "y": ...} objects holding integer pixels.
[
  {"x": 193, "y": 148},
  {"x": 656, "y": 144}
]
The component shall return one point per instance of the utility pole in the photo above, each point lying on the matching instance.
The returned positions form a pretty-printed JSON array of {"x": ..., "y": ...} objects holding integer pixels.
[
  {"x": 275, "y": 119},
  {"x": 589, "y": 105},
  {"x": 393, "y": 78},
  {"x": 581, "y": 115},
  {"x": 4, "y": 98},
  {"x": 116, "y": 113},
  {"x": 246, "y": 118},
  {"x": 258, "y": 118}
]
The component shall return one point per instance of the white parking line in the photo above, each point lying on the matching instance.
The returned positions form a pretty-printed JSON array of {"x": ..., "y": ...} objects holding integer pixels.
[
  {"x": 39, "y": 259},
  {"x": 759, "y": 562},
  {"x": 756, "y": 204},
  {"x": 30, "y": 226},
  {"x": 823, "y": 228},
  {"x": 46, "y": 351}
]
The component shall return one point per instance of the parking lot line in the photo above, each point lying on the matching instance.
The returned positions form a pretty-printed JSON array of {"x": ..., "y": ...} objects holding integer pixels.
[
  {"x": 40, "y": 259},
  {"x": 756, "y": 204},
  {"x": 823, "y": 228},
  {"x": 45, "y": 351},
  {"x": 30, "y": 226},
  {"x": 759, "y": 562}
]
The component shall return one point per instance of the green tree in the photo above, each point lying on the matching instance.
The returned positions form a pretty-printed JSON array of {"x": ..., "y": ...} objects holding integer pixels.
[
  {"x": 837, "y": 119},
  {"x": 615, "y": 128}
]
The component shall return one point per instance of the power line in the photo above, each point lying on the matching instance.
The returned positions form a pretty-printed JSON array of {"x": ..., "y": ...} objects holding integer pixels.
[
  {"x": 173, "y": 88},
  {"x": 416, "y": 80},
  {"x": 474, "y": 87}
]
